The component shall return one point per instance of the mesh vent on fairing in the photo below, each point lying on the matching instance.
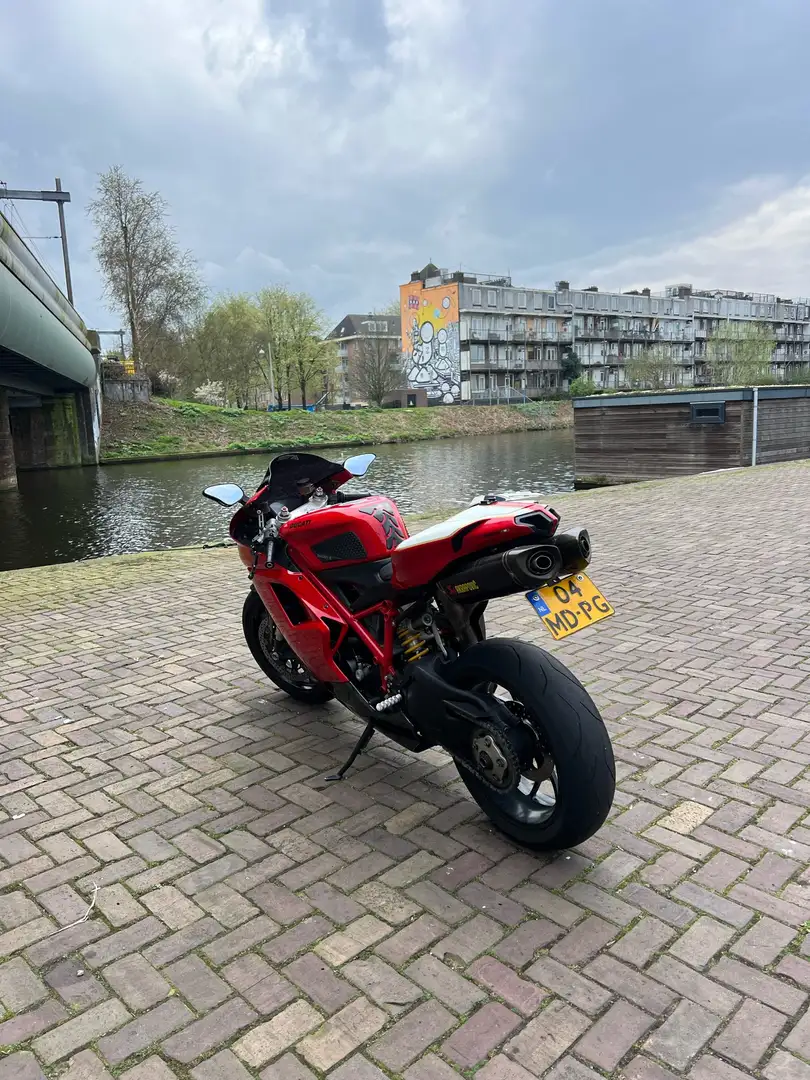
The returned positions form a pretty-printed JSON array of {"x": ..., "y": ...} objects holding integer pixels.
[{"x": 340, "y": 548}]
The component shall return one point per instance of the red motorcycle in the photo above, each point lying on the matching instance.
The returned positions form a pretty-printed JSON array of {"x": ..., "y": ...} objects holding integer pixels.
[{"x": 345, "y": 604}]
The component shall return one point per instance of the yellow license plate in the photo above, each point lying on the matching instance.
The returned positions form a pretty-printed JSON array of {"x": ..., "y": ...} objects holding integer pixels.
[{"x": 570, "y": 605}]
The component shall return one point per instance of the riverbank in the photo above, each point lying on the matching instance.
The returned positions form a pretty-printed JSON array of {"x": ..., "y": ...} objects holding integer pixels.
[{"x": 164, "y": 430}]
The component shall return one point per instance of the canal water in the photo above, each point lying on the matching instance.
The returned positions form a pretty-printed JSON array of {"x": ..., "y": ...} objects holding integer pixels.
[{"x": 67, "y": 514}]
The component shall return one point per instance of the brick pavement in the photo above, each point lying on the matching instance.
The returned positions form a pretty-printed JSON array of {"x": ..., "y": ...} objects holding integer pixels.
[{"x": 252, "y": 922}]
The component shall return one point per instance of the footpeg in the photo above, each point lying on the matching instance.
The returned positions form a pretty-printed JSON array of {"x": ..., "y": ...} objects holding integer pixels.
[{"x": 389, "y": 703}]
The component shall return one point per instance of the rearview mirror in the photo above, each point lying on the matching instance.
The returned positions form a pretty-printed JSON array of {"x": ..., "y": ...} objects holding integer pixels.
[
  {"x": 225, "y": 494},
  {"x": 358, "y": 465}
]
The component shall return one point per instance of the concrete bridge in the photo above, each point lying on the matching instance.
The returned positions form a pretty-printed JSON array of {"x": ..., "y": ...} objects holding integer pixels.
[{"x": 50, "y": 395}]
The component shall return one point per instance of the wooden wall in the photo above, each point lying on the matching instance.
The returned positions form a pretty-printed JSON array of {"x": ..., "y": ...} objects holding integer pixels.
[
  {"x": 619, "y": 444},
  {"x": 784, "y": 430}
]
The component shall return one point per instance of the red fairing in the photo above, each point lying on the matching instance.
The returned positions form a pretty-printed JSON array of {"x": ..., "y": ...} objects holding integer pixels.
[
  {"x": 300, "y": 619},
  {"x": 425, "y": 555},
  {"x": 346, "y": 533}
]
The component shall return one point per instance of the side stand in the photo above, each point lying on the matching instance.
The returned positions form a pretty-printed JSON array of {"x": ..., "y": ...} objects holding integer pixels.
[{"x": 362, "y": 743}]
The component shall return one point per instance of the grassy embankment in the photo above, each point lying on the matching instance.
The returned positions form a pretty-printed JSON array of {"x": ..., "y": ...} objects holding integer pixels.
[{"x": 168, "y": 429}]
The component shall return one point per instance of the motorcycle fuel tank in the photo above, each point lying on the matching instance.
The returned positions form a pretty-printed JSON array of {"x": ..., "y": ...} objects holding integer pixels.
[{"x": 355, "y": 532}]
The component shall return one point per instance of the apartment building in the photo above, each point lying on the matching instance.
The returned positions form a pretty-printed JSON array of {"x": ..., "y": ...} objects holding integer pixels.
[
  {"x": 477, "y": 337},
  {"x": 354, "y": 333}
]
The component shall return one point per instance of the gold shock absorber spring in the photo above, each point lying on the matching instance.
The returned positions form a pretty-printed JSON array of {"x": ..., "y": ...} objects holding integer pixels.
[{"x": 413, "y": 644}]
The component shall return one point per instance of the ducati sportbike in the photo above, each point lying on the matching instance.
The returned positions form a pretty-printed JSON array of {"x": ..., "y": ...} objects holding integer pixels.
[{"x": 345, "y": 604}]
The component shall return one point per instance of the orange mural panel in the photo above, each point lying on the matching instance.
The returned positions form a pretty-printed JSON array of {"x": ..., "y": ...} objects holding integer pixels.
[{"x": 430, "y": 339}]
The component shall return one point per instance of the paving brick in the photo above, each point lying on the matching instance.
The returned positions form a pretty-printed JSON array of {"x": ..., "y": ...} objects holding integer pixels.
[
  {"x": 19, "y": 986},
  {"x": 469, "y": 940},
  {"x": 522, "y": 945},
  {"x": 357, "y": 936},
  {"x": 78, "y": 991},
  {"x": 142, "y": 1033},
  {"x": 701, "y": 942},
  {"x": 259, "y": 984},
  {"x": 480, "y": 1034},
  {"x": 610, "y": 1038},
  {"x": 574, "y": 987},
  {"x": 288, "y": 1067},
  {"x": 683, "y": 1034},
  {"x": 756, "y": 984},
  {"x": 584, "y": 941},
  {"x": 763, "y": 942},
  {"x": 19, "y": 1029},
  {"x": 411, "y": 939},
  {"x": 320, "y": 983},
  {"x": 266, "y": 1041},
  {"x": 452, "y": 989},
  {"x": 198, "y": 984},
  {"x": 547, "y": 1037},
  {"x": 213, "y": 1029},
  {"x": 412, "y": 1035},
  {"x": 341, "y": 1034},
  {"x": 784, "y": 1066},
  {"x": 222, "y": 1066},
  {"x": 694, "y": 986},
  {"x": 172, "y": 907},
  {"x": 382, "y": 984},
  {"x": 176, "y": 945},
  {"x": 504, "y": 983},
  {"x": 648, "y": 937},
  {"x": 83, "y": 1029},
  {"x": 440, "y": 903},
  {"x": 387, "y": 903},
  {"x": 244, "y": 937},
  {"x": 137, "y": 982},
  {"x": 20, "y": 1066},
  {"x": 126, "y": 941},
  {"x": 357, "y": 1068},
  {"x": 629, "y": 983},
  {"x": 86, "y": 1066},
  {"x": 751, "y": 1031},
  {"x": 286, "y": 945}
]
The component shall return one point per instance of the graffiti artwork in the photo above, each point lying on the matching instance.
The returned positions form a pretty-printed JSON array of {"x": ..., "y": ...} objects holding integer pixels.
[{"x": 430, "y": 340}]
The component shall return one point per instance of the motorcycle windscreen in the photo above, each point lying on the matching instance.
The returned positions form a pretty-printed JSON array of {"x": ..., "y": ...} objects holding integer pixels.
[{"x": 287, "y": 471}]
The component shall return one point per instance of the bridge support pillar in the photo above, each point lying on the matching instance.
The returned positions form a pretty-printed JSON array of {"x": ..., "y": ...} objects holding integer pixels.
[{"x": 8, "y": 466}]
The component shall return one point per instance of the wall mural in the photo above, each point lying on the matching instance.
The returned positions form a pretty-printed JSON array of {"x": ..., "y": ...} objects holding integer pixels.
[{"x": 430, "y": 340}]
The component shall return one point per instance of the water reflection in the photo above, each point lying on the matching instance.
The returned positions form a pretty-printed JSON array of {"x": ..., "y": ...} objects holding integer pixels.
[{"x": 69, "y": 514}]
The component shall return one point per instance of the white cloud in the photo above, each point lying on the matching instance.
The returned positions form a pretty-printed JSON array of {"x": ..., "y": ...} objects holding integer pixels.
[
  {"x": 764, "y": 250},
  {"x": 757, "y": 239}
]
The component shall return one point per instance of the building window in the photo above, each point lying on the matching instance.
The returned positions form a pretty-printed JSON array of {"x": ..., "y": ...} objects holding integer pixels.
[
  {"x": 551, "y": 303},
  {"x": 477, "y": 353},
  {"x": 476, "y": 297},
  {"x": 538, "y": 301},
  {"x": 491, "y": 298},
  {"x": 591, "y": 300},
  {"x": 639, "y": 304},
  {"x": 521, "y": 299},
  {"x": 655, "y": 307},
  {"x": 614, "y": 303},
  {"x": 508, "y": 299},
  {"x": 709, "y": 412}
]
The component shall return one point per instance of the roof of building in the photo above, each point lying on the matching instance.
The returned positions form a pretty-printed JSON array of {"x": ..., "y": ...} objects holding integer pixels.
[{"x": 357, "y": 326}]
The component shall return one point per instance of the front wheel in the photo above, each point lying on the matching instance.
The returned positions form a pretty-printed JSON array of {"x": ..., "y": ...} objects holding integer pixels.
[
  {"x": 551, "y": 778},
  {"x": 275, "y": 657}
]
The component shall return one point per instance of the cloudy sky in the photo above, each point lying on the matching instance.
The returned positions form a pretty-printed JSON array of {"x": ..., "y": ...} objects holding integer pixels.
[{"x": 336, "y": 145}]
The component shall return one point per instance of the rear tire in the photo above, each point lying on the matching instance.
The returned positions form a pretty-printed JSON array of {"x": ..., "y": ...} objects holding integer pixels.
[
  {"x": 256, "y": 621},
  {"x": 568, "y": 723}
]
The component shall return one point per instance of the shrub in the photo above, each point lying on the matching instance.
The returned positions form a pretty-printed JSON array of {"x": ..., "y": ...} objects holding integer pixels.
[{"x": 582, "y": 387}]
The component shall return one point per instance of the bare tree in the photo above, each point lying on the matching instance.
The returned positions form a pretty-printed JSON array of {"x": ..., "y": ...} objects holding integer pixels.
[
  {"x": 147, "y": 277},
  {"x": 377, "y": 369}
]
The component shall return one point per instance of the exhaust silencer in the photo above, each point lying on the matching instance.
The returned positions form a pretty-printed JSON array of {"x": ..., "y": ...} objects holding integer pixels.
[
  {"x": 574, "y": 545},
  {"x": 504, "y": 573}
]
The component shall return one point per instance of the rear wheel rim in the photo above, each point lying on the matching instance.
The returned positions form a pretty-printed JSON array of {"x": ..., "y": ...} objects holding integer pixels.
[
  {"x": 535, "y": 798},
  {"x": 281, "y": 657}
]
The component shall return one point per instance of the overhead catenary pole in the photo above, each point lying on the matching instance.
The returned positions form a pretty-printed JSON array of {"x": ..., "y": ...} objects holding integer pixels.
[
  {"x": 59, "y": 197},
  {"x": 60, "y": 206}
]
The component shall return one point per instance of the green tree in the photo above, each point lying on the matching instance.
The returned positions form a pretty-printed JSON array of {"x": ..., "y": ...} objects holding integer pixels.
[
  {"x": 570, "y": 364},
  {"x": 582, "y": 387},
  {"x": 228, "y": 344},
  {"x": 740, "y": 353},
  {"x": 293, "y": 329}
]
